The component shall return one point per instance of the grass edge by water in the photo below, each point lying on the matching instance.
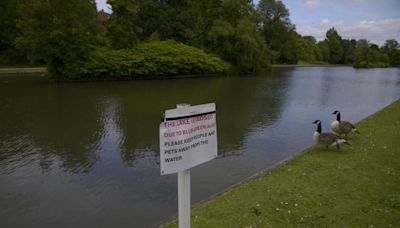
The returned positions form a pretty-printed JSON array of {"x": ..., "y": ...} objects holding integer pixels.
[
  {"x": 22, "y": 70},
  {"x": 245, "y": 205}
]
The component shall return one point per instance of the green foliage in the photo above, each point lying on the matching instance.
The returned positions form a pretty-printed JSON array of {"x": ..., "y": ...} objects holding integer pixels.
[
  {"x": 204, "y": 13},
  {"x": 310, "y": 38},
  {"x": 391, "y": 48},
  {"x": 335, "y": 45},
  {"x": 349, "y": 51},
  {"x": 289, "y": 50},
  {"x": 121, "y": 30},
  {"x": 226, "y": 28},
  {"x": 171, "y": 19},
  {"x": 63, "y": 33},
  {"x": 59, "y": 33},
  {"x": 323, "y": 46},
  {"x": 235, "y": 10},
  {"x": 235, "y": 38},
  {"x": 395, "y": 61},
  {"x": 367, "y": 57},
  {"x": 241, "y": 45},
  {"x": 9, "y": 15},
  {"x": 273, "y": 10},
  {"x": 251, "y": 52},
  {"x": 278, "y": 31},
  {"x": 308, "y": 51},
  {"x": 155, "y": 58},
  {"x": 147, "y": 19}
]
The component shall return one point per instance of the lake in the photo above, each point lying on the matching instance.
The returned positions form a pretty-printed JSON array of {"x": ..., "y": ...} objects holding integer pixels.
[{"x": 87, "y": 154}]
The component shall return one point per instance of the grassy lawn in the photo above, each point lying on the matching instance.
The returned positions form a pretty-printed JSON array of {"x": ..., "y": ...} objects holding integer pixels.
[
  {"x": 13, "y": 70},
  {"x": 358, "y": 186}
]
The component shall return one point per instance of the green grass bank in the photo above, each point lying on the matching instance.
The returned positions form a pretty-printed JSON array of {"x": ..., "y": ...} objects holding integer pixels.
[
  {"x": 22, "y": 70},
  {"x": 357, "y": 186}
]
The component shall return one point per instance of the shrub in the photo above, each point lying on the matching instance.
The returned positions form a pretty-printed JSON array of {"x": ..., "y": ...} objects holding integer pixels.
[
  {"x": 160, "y": 58},
  {"x": 364, "y": 64}
]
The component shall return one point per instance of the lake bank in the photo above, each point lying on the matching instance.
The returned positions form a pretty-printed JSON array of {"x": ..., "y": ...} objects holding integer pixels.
[
  {"x": 310, "y": 65},
  {"x": 41, "y": 71},
  {"x": 22, "y": 70},
  {"x": 356, "y": 186}
]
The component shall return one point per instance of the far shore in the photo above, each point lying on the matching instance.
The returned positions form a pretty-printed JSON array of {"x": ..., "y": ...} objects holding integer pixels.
[
  {"x": 22, "y": 70},
  {"x": 309, "y": 65},
  {"x": 42, "y": 70}
]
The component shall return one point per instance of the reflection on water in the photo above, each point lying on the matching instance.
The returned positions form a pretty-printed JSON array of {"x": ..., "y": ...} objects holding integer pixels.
[{"x": 86, "y": 154}]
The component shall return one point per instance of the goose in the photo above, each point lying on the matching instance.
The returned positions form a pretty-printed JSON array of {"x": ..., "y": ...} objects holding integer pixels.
[
  {"x": 327, "y": 138},
  {"x": 342, "y": 127}
]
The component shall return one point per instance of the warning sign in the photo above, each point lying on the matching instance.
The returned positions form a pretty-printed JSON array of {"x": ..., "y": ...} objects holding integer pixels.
[{"x": 188, "y": 137}]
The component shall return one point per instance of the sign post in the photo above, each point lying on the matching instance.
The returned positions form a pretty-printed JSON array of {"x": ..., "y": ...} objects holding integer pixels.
[
  {"x": 188, "y": 137},
  {"x": 184, "y": 198}
]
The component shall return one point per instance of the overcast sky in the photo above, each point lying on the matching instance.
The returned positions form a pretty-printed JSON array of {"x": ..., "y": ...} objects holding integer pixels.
[{"x": 375, "y": 20}]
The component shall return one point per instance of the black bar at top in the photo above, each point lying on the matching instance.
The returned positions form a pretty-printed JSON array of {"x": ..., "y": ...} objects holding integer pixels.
[{"x": 190, "y": 116}]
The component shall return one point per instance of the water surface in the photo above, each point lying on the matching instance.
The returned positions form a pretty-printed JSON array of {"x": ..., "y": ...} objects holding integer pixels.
[{"x": 86, "y": 154}]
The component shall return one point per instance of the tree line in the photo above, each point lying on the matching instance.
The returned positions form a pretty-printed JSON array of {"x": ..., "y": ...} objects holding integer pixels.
[{"x": 63, "y": 34}]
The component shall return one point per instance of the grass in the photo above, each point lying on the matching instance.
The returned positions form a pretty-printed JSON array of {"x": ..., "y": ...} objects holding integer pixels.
[
  {"x": 16, "y": 70},
  {"x": 357, "y": 186}
]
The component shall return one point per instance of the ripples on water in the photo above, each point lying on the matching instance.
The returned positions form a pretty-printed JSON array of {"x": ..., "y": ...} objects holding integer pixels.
[{"x": 86, "y": 154}]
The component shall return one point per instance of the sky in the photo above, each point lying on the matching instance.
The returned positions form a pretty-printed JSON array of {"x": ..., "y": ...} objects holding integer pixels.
[{"x": 374, "y": 20}]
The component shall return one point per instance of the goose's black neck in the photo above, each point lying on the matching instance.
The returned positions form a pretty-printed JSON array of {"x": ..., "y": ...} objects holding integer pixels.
[
  {"x": 319, "y": 128},
  {"x": 338, "y": 116}
]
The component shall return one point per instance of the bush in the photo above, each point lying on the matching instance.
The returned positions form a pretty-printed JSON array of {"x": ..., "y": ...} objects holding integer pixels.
[
  {"x": 364, "y": 64},
  {"x": 160, "y": 58}
]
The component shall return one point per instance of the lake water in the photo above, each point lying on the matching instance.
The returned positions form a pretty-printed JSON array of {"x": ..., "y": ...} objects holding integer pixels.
[{"x": 86, "y": 154}]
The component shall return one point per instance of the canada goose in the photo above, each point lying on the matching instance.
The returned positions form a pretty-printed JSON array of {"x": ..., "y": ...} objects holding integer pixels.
[
  {"x": 327, "y": 138},
  {"x": 342, "y": 127}
]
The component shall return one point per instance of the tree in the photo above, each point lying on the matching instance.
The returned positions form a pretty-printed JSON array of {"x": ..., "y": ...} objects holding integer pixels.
[
  {"x": 204, "y": 12},
  {"x": 396, "y": 58},
  {"x": 121, "y": 30},
  {"x": 289, "y": 51},
  {"x": 367, "y": 57},
  {"x": 308, "y": 51},
  {"x": 310, "y": 38},
  {"x": 241, "y": 45},
  {"x": 59, "y": 33},
  {"x": 277, "y": 30},
  {"x": 391, "y": 48},
  {"x": 234, "y": 10},
  {"x": 146, "y": 18},
  {"x": 324, "y": 47},
  {"x": 251, "y": 51},
  {"x": 363, "y": 55},
  {"x": 335, "y": 45},
  {"x": 272, "y": 11},
  {"x": 349, "y": 51},
  {"x": 9, "y": 15}
]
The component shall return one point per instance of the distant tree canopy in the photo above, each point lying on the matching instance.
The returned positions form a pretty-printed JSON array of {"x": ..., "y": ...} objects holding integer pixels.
[
  {"x": 392, "y": 49},
  {"x": 369, "y": 56},
  {"x": 335, "y": 44},
  {"x": 9, "y": 31},
  {"x": 277, "y": 30},
  {"x": 308, "y": 50},
  {"x": 58, "y": 32},
  {"x": 121, "y": 29},
  {"x": 62, "y": 34}
]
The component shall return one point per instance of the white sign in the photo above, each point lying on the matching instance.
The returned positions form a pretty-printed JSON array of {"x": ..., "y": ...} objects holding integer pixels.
[{"x": 188, "y": 137}]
